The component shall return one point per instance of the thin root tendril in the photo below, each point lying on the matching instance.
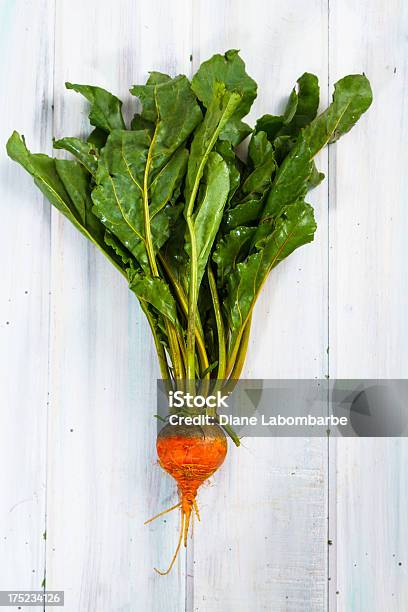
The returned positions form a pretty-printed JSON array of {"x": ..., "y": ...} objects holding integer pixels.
[
  {"x": 196, "y": 510},
  {"x": 177, "y": 549},
  {"x": 164, "y": 512}
]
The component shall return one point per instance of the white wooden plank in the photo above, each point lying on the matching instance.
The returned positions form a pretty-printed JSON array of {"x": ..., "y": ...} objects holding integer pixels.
[
  {"x": 262, "y": 541},
  {"x": 25, "y": 105},
  {"x": 368, "y": 304},
  {"x": 103, "y": 477}
]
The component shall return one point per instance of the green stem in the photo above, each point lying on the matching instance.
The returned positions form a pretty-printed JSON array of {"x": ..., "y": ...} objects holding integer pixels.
[
  {"x": 182, "y": 349},
  {"x": 164, "y": 367},
  {"x": 234, "y": 437},
  {"x": 242, "y": 351},
  {"x": 230, "y": 385},
  {"x": 182, "y": 299},
  {"x": 236, "y": 373},
  {"x": 174, "y": 348},
  {"x": 222, "y": 355},
  {"x": 192, "y": 301},
  {"x": 233, "y": 355},
  {"x": 146, "y": 216}
]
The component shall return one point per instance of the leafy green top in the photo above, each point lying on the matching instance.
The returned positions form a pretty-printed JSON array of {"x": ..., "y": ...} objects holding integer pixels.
[{"x": 193, "y": 228}]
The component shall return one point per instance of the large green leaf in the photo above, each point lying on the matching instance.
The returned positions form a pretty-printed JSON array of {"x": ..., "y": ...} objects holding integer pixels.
[
  {"x": 121, "y": 190},
  {"x": 139, "y": 171},
  {"x": 213, "y": 197},
  {"x": 294, "y": 227},
  {"x": 118, "y": 196},
  {"x": 43, "y": 169},
  {"x": 177, "y": 115},
  {"x": 65, "y": 184},
  {"x": 220, "y": 110},
  {"x": 228, "y": 69},
  {"x": 105, "y": 110},
  {"x": 352, "y": 96}
]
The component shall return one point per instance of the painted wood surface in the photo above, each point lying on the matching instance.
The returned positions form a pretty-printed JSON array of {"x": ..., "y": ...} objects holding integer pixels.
[
  {"x": 268, "y": 506},
  {"x": 27, "y": 85},
  {"x": 368, "y": 303},
  {"x": 78, "y": 367},
  {"x": 104, "y": 482}
]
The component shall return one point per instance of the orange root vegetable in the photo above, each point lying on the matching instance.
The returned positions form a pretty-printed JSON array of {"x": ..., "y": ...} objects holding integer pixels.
[{"x": 190, "y": 454}]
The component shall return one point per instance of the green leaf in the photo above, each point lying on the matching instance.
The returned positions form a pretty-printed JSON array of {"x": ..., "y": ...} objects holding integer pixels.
[
  {"x": 154, "y": 291},
  {"x": 290, "y": 108},
  {"x": 228, "y": 69},
  {"x": 294, "y": 227},
  {"x": 228, "y": 250},
  {"x": 118, "y": 196},
  {"x": 122, "y": 176},
  {"x": 119, "y": 249},
  {"x": 42, "y": 169},
  {"x": 316, "y": 177},
  {"x": 59, "y": 181},
  {"x": 247, "y": 211},
  {"x": 76, "y": 181},
  {"x": 302, "y": 105},
  {"x": 85, "y": 152},
  {"x": 146, "y": 95},
  {"x": 301, "y": 109},
  {"x": 105, "y": 111},
  {"x": 97, "y": 138},
  {"x": 270, "y": 124},
  {"x": 219, "y": 112},
  {"x": 351, "y": 98},
  {"x": 215, "y": 189},
  {"x": 138, "y": 170},
  {"x": 307, "y": 102},
  {"x": 226, "y": 151},
  {"x": 262, "y": 162},
  {"x": 291, "y": 180},
  {"x": 178, "y": 114},
  {"x": 168, "y": 180}
]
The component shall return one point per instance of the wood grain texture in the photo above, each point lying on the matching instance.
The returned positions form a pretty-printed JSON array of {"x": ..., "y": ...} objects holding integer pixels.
[
  {"x": 25, "y": 104},
  {"x": 266, "y": 545},
  {"x": 368, "y": 302},
  {"x": 77, "y": 365},
  {"x": 103, "y": 478}
]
